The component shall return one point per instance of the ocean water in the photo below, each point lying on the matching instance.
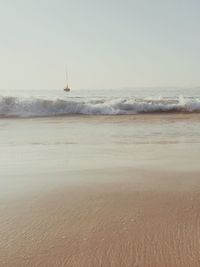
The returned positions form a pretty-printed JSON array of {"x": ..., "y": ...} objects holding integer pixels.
[
  {"x": 47, "y": 103},
  {"x": 54, "y": 147}
]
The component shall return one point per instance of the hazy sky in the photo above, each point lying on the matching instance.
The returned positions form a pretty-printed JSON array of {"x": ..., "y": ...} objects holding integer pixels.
[{"x": 105, "y": 43}]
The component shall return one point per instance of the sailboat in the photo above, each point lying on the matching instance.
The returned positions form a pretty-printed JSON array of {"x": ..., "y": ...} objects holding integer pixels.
[{"x": 66, "y": 89}]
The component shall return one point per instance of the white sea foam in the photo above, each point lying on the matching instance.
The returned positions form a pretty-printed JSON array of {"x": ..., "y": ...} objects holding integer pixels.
[{"x": 31, "y": 107}]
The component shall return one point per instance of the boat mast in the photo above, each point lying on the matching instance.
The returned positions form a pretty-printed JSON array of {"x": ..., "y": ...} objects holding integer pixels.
[{"x": 67, "y": 77}]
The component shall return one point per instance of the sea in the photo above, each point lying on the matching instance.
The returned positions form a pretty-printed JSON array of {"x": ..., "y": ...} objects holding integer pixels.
[
  {"x": 48, "y": 137},
  {"x": 48, "y": 103}
]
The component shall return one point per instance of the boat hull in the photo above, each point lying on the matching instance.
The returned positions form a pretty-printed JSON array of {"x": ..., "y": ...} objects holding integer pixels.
[{"x": 66, "y": 89}]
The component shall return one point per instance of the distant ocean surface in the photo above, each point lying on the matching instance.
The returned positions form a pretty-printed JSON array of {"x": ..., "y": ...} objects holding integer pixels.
[{"x": 42, "y": 103}]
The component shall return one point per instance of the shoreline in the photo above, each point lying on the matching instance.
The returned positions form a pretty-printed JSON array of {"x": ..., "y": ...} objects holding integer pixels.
[{"x": 100, "y": 191}]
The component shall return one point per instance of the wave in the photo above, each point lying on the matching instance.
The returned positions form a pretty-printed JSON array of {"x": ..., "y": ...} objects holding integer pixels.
[{"x": 37, "y": 107}]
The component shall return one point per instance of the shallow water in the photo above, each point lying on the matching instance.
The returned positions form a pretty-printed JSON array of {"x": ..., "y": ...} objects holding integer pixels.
[{"x": 35, "y": 151}]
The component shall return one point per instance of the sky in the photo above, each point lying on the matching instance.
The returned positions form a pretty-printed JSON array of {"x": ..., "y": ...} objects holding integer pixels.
[{"x": 104, "y": 43}]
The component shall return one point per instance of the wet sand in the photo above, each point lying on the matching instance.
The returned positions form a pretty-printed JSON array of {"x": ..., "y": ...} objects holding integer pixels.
[
  {"x": 144, "y": 219},
  {"x": 129, "y": 200}
]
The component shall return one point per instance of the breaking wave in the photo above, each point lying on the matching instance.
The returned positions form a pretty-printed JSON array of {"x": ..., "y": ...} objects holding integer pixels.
[{"x": 38, "y": 107}]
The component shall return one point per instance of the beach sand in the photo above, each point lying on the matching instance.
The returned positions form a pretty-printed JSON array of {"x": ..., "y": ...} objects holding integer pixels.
[{"x": 122, "y": 197}]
